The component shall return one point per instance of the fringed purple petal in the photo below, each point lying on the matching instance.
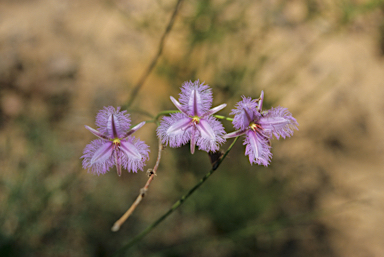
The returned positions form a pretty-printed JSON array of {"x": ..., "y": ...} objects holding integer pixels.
[
  {"x": 98, "y": 167},
  {"x": 195, "y": 98},
  {"x": 137, "y": 160},
  {"x": 245, "y": 112},
  {"x": 205, "y": 130},
  {"x": 211, "y": 133},
  {"x": 103, "y": 153},
  {"x": 175, "y": 130},
  {"x": 257, "y": 148},
  {"x": 129, "y": 150},
  {"x": 104, "y": 121},
  {"x": 279, "y": 121}
]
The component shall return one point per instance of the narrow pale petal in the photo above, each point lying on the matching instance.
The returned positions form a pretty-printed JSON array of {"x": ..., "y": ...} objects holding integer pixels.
[
  {"x": 134, "y": 129},
  {"x": 235, "y": 133},
  {"x": 215, "y": 110},
  {"x": 103, "y": 153},
  {"x": 130, "y": 150},
  {"x": 261, "y": 100},
  {"x": 179, "y": 126},
  {"x": 96, "y": 133},
  {"x": 112, "y": 126},
  {"x": 195, "y": 104},
  {"x": 118, "y": 162},
  {"x": 193, "y": 140},
  {"x": 178, "y": 105}
]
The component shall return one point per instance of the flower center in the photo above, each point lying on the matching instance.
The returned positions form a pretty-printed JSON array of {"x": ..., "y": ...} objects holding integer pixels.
[
  {"x": 254, "y": 126},
  {"x": 116, "y": 141},
  {"x": 195, "y": 119}
]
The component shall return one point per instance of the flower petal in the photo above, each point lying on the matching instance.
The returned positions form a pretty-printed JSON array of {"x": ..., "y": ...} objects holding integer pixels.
[
  {"x": 103, "y": 121},
  {"x": 175, "y": 130},
  {"x": 130, "y": 150},
  {"x": 89, "y": 153},
  {"x": 210, "y": 134},
  {"x": 134, "y": 129},
  {"x": 103, "y": 153},
  {"x": 118, "y": 162},
  {"x": 97, "y": 133},
  {"x": 205, "y": 130},
  {"x": 257, "y": 148},
  {"x": 112, "y": 126},
  {"x": 195, "y": 98},
  {"x": 215, "y": 110},
  {"x": 193, "y": 140},
  {"x": 178, "y": 105},
  {"x": 179, "y": 126},
  {"x": 245, "y": 112},
  {"x": 134, "y": 164},
  {"x": 279, "y": 121},
  {"x": 261, "y": 100},
  {"x": 235, "y": 133}
]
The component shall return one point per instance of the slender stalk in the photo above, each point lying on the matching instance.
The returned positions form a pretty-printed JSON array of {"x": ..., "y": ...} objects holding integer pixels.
[
  {"x": 174, "y": 206},
  {"x": 152, "y": 174},
  {"x": 161, "y": 114},
  {"x": 221, "y": 117},
  {"x": 152, "y": 65}
]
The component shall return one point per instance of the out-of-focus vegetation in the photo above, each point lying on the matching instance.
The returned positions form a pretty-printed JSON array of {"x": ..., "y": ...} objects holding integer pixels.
[{"x": 61, "y": 61}]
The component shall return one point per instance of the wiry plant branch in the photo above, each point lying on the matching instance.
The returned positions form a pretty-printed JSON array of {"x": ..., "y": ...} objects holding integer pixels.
[
  {"x": 175, "y": 206},
  {"x": 152, "y": 65},
  {"x": 143, "y": 191}
]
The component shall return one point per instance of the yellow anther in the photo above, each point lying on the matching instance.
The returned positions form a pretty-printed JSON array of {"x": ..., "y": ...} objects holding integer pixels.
[
  {"x": 253, "y": 126},
  {"x": 116, "y": 141},
  {"x": 195, "y": 119}
]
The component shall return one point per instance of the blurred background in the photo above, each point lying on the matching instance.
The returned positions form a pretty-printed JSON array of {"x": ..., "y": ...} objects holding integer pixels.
[{"x": 61, "y": 61}]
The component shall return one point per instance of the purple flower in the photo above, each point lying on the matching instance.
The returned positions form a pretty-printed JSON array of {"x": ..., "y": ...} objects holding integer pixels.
[
  {"x": 195, "y": 122},
  {"x": 258, "y": 127},
  {"x": 115, "y": 145}
]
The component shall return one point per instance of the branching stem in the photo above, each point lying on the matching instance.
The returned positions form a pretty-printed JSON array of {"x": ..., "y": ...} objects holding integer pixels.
[
  {"x": 174, "y": 207},
  {"x": 151, "y": 174}
]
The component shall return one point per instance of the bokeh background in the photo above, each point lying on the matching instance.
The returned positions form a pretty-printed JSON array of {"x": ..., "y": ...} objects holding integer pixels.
[{"x": 63, "y": 60}]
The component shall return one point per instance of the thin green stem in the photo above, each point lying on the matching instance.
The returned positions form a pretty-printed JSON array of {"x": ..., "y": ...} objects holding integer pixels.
[
  {"x": 155, "y": 120},
  {"x": 221, "y": 117},
  {"x": 174, "y": 207}
]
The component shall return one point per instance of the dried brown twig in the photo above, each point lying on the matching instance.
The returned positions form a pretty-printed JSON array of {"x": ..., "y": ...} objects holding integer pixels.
[{"x": 151, "y": 173}]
